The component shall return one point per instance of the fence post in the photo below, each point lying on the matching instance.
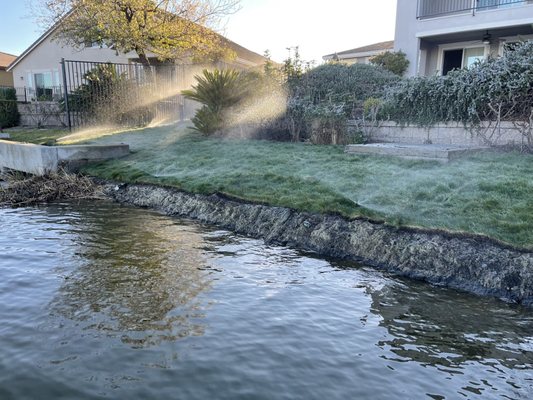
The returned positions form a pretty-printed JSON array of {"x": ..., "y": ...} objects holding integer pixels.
[
  {"x": 25, "y": 95},
  {"x": 65, "y": 93}
]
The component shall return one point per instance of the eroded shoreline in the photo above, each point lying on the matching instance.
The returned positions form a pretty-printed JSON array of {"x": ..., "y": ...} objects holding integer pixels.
[{"x": 473, "y": 264}]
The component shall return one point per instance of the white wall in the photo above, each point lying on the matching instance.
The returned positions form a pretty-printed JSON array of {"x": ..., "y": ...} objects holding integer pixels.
[
  {"x": 410, "y": 30},
  {"x": 46, "y": 57}
]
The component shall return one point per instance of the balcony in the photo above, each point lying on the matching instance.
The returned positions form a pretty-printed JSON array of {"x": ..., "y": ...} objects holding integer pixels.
[{"x": 440, "y": 8}]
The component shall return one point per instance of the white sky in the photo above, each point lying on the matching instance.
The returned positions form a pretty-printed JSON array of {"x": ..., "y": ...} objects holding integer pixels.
[{"x": 318, "y": 27}]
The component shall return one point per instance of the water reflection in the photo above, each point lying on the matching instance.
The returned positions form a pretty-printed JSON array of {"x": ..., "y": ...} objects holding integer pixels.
[
  {"x": 452, "y": 332},
  {"x": 136, "y": 276},
  {"x": 132, "y": 304}
]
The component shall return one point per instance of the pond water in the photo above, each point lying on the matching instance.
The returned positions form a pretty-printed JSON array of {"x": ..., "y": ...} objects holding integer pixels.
[{"x": 99, "y": 300}]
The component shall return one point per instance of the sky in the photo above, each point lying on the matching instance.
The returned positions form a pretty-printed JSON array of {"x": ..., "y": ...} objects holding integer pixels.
[{"x": 317, "y": 27}]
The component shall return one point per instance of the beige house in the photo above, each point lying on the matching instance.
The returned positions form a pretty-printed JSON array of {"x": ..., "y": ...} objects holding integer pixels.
[
  {"x": 6, "y": 78},
  {"x": 38, "y": 68},
  {"x": 360, "y": 55},
  {"x": 441, "y": 35}
]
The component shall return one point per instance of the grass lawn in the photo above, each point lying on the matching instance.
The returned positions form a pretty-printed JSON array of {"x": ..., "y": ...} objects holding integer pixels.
[
  {"x": 490, "y": 194},
  {"x": 36, "y": 136}
]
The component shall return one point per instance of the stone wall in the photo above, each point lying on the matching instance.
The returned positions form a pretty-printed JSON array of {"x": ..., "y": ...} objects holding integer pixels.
[
  {"x": 48, "y": 113},
  {"x": 42, "y": 114},
  {"x": 450, "y": 134}
]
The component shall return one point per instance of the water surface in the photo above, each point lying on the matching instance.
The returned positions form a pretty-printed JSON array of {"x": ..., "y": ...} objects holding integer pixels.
[{"x": 99, "y": 300}]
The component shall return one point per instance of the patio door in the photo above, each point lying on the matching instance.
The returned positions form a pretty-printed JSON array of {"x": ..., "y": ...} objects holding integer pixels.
[
  {"x": 461, "y": 58},
  {"x": 453, "y": 59}
]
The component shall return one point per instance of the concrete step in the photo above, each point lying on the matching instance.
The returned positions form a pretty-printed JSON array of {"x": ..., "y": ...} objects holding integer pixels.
[{"x": 430, "y": 152}]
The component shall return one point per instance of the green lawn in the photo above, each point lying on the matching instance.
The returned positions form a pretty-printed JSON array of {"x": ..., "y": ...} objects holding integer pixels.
[
  {"x": 36, "y": 136},
  {"x": 490, "y": 194}
]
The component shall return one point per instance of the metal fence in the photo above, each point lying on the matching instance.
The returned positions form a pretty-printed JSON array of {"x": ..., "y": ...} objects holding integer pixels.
[
  {"x": 436, "y": 8},
  {"x": 125, "y": 95},
  {"x": 29, "y": 94}
]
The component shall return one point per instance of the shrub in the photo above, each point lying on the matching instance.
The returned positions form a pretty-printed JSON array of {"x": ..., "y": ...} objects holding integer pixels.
[
  {"x": 324, "y": 98},
  {"x": 109, "y": 97},
  {"x": 218, "y": 91},
  {"x": 395, "y": 62},
  {"x": 9, "y": 114},
  {"x": 481, "y": 97},
  {"x": 233, "y": 99}
]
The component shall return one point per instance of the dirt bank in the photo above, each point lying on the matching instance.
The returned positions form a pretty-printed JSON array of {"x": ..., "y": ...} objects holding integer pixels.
[{"x": 467, "y": 262}]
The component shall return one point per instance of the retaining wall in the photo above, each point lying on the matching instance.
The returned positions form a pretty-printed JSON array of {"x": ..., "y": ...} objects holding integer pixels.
[
  {"x": 42, "y": 113},
  {"x": 39, "y": 160},
  {"x": 448, "y": 134}
]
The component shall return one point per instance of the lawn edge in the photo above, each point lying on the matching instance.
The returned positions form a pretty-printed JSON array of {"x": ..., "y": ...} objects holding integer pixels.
[{"x": 464, "y": 261}]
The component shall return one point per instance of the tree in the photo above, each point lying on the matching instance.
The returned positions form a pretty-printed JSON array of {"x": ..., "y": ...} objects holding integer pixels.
[
  {"x": 170, "y": 29},
  {"x": 395, "y": 62}
]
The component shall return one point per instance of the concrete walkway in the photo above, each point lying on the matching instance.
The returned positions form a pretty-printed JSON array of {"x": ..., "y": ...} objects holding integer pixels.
[{"x": 431, "y": 152}]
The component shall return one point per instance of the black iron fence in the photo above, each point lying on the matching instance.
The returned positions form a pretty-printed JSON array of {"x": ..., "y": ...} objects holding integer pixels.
[
  {"x": 29, "y": 94},
  {"x": 125, "y": 95}
]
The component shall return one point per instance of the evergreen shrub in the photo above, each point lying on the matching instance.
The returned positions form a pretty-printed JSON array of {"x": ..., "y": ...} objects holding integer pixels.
[{"x": 9, "y": 114}]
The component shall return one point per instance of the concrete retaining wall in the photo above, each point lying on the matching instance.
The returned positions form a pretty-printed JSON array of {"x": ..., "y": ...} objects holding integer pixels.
[
  {"x": 39, "y": 160},
  {"x": 42, "y": 113},
  {"x": 450, "y": 134}
]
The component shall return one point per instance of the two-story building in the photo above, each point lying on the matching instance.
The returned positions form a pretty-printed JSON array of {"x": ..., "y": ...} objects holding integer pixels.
[{"x": 441, "y": 35}]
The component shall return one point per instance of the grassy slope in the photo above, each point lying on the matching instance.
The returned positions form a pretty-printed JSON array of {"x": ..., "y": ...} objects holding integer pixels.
[
  {"x": 488, "y": 194},
  {"x": 36, "y": 136}
]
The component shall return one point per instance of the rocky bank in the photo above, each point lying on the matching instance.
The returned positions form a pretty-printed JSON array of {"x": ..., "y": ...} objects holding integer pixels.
[{"x": 472, "y": 263}]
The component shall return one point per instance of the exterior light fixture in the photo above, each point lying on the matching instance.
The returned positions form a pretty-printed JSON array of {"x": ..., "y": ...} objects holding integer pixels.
[{"x": 486, "y": 38}]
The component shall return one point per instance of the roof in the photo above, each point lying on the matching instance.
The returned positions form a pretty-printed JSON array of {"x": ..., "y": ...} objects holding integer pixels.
[
  {"x": 240, "y": 50},
  {"x": 33, "y": 46},
  {"x": 6, "y": 59},
  {"x": 243, "y": 52},
  {"x": 376, "y": 47}
]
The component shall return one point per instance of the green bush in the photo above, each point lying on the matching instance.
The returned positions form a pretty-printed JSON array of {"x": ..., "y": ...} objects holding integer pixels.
[
  {"x": 9, "y": 114},
  {"x": 231, "y": 99},
  {"x": 110, "y": 97},
  {"x": 395, "y": 62},
  {"x": 324, "y": 98},
  {"x": 218, "y": 91},
  {"x": 481, "y": 97}
]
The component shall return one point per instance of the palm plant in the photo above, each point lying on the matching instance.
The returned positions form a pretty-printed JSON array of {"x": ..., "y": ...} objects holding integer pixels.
[{"x": 218, "y": 91}]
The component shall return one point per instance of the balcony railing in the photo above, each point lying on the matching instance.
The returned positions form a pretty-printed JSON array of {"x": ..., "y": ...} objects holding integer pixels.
[{"x": 438, "y": 8}]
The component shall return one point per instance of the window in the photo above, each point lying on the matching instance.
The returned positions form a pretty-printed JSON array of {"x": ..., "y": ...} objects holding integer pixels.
[
  {"x": 461, "y": 58},
  {"x": 43, "y": 86},
  {"x": 453, "y": 59},
  {"x": 473, "y": 55},
  {"x": 509, "y": 43}
]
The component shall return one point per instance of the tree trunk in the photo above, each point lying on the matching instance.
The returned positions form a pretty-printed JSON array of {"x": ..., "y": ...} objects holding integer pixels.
[{"x": 145, "y": 61}]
